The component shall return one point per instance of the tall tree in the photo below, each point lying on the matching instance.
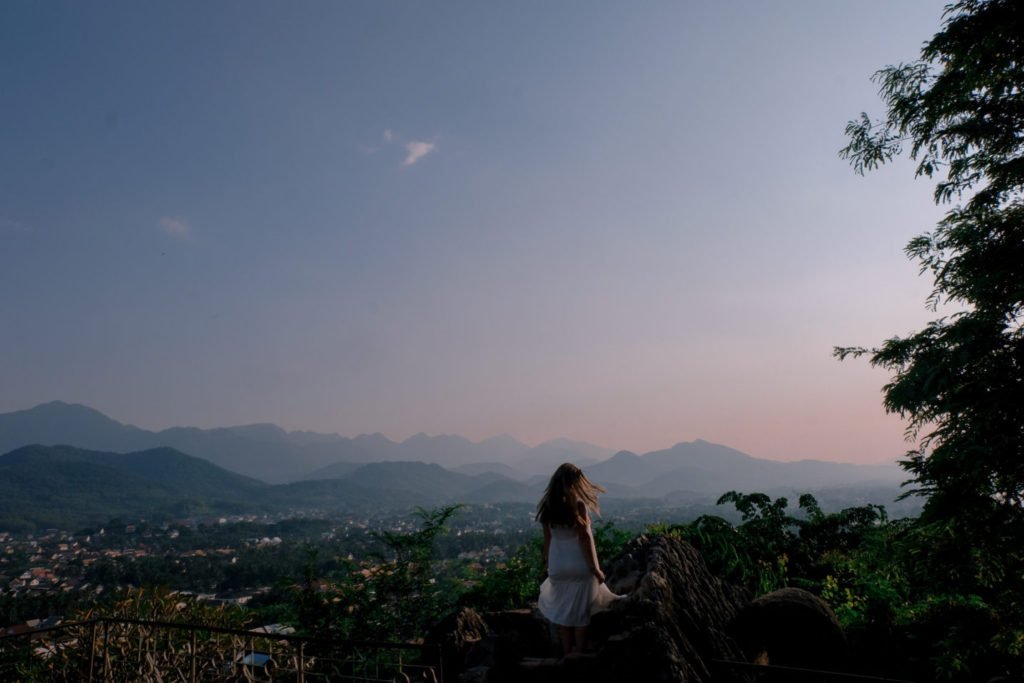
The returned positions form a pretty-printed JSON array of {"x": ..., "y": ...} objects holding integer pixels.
[{"x": 958, "y": 111}]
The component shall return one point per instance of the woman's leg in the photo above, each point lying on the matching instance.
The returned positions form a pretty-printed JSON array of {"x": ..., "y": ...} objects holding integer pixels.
[
  {"x": 566, "y": 633},
  {"x": 581, "y": 638}
]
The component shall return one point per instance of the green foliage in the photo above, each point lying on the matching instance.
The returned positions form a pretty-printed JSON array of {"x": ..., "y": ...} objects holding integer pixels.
[
  {"x": 756, "y": 553},
  {"x": 851, "y": 558},
  {"x": 960, "y": 381},
  {"x": 608, "y": 539},
  {"x": 512, "y": 584},
  {"x": 848, "y": 557}
]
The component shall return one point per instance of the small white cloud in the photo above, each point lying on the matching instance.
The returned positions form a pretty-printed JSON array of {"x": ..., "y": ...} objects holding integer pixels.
[
  {"x": 416, "y": 150},
  {"x": 175, "y": 227}
]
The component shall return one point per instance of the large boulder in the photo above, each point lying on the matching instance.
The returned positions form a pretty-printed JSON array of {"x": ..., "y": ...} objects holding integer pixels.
[{"x": 792, "y": 627}]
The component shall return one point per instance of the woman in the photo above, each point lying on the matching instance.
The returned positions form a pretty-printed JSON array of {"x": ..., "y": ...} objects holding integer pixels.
[{"x": 575, "y": 585}]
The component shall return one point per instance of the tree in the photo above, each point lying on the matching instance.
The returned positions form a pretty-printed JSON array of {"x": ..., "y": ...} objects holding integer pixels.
[
  {"x": 407, "y": 586},
  {"x": 395, "y": 596},
  {"x": 960, "y": 109},
  {"x": 959, "y": 113}
]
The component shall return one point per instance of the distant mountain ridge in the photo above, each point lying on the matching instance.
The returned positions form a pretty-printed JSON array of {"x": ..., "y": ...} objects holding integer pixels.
[
  {"x": 67, "y": 487},
  {"x": 439, "y": 468},
  {"x": 701, "y": 466},
  {"x": 269, "y": 453},
  {"x": 47, "y": 486}
]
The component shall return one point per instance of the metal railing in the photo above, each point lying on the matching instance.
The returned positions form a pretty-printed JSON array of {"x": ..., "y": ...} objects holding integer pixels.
[
  {"x": 772, "y": 673},
  {"x": 105, "y": 650}
]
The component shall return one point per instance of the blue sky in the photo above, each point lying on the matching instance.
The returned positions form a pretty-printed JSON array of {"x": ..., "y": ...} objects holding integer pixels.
[{"x": 617, "y": 222}]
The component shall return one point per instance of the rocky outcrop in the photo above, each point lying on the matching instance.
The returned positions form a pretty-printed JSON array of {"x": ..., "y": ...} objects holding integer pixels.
[
  {"x": 671, "y": 625},
  {"x": 675, "y": 620}
]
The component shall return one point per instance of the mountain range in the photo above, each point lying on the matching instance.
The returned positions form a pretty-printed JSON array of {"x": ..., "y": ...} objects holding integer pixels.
[
  {"x": 66, "y": 487},
  {"x": 271, "y": 454},
  {"x": 74, "y": 461},
  {"x": 69, "y": 488}
]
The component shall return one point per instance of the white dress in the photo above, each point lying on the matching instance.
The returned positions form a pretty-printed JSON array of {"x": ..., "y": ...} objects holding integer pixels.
[{"x": 571, "y": 592}]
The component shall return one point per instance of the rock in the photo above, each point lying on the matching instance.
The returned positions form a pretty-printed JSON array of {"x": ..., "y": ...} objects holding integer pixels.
[
  {"x": 792, "y": 627},
  {"x": 515, "y": 634},
  {"x": 676, "y": 619}
]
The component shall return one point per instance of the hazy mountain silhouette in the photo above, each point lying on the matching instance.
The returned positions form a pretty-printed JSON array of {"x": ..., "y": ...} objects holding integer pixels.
[
  {"x": 335, "y": 471},
  {"x": 419, "y": 470},
  {"x": 622, "y": 468},
  {"x": 545, "y": 457},
  {"x": 271, "y": 454},
  {"x": 430, "y": 479},
  {"x": 261, "y": 451},
  {"x": 181, "y": 474},
  {"x": 64, "y": 423},
  {"x": 67, "y": 487},
  {"x": 701, "y": 466},
  {"x": 504, "y": 448},
  {"x": 61, "y": 486},
  {"x": 492, "y": 467}
]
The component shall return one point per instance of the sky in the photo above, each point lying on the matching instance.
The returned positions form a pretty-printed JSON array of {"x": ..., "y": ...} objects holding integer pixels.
[{"x": 621, "y": 223}]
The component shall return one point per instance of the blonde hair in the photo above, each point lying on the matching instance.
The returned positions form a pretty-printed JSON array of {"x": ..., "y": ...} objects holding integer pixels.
[{"x": 568, "y": 491}]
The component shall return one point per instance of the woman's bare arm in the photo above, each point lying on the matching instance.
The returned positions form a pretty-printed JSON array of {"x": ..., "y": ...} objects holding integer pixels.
[
  {"x": 586, "y": 539},
  {"x": 547, "y": 545}
]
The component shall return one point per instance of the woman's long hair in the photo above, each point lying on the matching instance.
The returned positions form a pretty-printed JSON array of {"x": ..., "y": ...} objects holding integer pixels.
[{"x": 568, "y": 487}]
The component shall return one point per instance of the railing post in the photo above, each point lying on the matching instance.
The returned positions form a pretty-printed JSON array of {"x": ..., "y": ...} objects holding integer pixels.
[
  {"x": 193, "y": 679},
  {"x": 302, "y": 663},
  {"x": 92, "y": 650},
  {"x": 106, "y": 649}
]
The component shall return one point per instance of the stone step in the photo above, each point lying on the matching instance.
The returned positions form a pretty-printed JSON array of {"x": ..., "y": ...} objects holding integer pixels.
[{"x": 579, "y": 667}]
